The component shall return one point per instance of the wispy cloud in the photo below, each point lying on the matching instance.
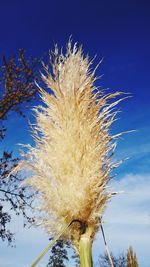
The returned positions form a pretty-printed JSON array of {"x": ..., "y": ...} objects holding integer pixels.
[{"x": 127, "y": 218}]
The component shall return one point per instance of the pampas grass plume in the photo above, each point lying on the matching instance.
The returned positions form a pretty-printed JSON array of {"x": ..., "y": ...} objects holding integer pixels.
[{"x": 70, "y": 163}]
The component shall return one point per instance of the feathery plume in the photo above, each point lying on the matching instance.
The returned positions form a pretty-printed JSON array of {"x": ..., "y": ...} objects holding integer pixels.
[
  {"x": 131, "y": 258},
  {"x": 71, "y": 160}
]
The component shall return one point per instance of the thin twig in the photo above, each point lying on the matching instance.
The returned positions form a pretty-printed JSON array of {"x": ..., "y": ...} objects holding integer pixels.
[{"x": 106, "y": 246}]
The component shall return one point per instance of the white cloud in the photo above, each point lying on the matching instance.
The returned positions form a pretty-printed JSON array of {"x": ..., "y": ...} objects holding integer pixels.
[
  {"x": 127, "y": 218},
  {"x": 131, "y": 206}
]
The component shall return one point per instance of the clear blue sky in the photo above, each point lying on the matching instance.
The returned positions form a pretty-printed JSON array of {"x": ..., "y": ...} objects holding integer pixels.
[{"x": 119, "y": 32}]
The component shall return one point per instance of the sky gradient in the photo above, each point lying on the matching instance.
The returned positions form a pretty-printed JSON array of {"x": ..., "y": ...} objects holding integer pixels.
[{"x": 118, "y": 31}]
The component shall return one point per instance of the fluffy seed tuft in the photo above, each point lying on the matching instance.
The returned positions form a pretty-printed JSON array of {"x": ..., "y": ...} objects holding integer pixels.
[{"x": 71, "y": 161}]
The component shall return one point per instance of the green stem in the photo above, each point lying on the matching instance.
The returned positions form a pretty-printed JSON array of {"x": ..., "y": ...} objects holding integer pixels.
[{"x": 85, "y": 250}]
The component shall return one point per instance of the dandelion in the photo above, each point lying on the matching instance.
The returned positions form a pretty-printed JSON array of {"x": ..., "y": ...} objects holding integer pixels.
[{"x": 70, "y": 164}]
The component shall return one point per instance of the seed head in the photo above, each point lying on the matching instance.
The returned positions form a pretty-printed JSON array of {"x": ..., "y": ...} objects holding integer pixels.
[{"x": 71, "y": 160}]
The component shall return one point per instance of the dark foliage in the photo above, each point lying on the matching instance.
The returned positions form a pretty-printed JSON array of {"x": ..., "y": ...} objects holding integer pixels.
[
  {"x": 17, "y": 84},
  {"x": 4, "y": 220},
  {"x": 120, "y": 261},
  {"x": 58, "y": 255},
  {"x": 75, "y": 256},
  {"x": 16, "y": 199}
]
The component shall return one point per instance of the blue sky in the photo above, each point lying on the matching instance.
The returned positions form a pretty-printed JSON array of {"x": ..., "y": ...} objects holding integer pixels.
[{"x": 119, "y": 32}]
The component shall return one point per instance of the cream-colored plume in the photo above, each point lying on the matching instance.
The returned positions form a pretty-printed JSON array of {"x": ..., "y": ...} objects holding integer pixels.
[{"x": 70, "y": 163}]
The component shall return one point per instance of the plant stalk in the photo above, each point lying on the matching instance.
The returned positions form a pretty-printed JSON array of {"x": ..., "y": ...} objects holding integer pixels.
[{"x": 85, "y": 249}]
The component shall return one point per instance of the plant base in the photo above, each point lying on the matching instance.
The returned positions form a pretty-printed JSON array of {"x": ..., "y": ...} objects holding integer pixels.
[{"x": 85, "y": 250}]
